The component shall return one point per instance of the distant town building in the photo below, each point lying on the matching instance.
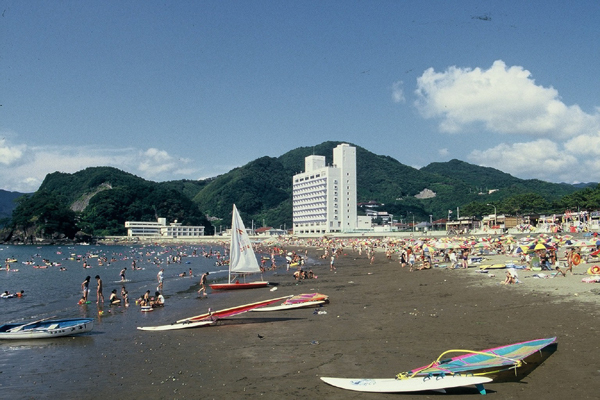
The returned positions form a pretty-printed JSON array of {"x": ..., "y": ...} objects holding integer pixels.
[
  {"x": 324, "y": 197},
  {"x": 161, "y": 229},
  {"x": 269, "y": 231},
  {"x": 370, "y": 204}
]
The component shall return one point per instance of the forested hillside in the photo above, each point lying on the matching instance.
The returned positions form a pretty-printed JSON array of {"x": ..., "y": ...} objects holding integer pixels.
[
  {"x": 483, "y": 179},
  {"x": 97, "y": 201}
]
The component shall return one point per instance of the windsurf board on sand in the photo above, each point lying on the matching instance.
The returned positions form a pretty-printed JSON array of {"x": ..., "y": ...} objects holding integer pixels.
[
  {"x": 290, "y": 306},
  {"x": 211, "y": 317},
  {"x": 180, "y": 325},
  {"x": 392, "y": 385}
]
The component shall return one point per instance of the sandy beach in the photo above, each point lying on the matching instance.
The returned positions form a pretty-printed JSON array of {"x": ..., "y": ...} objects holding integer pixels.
[{"x": 382, "y": 320}]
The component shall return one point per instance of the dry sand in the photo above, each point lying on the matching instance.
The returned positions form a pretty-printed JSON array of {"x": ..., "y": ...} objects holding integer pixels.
[{"x": 382, "y": 320}]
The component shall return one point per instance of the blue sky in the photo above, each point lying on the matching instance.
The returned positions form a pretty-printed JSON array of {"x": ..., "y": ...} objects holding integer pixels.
[{"x": 192, "y": 89}]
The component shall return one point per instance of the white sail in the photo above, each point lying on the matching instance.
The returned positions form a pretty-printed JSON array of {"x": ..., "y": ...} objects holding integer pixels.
[{"x": 241, "y": 254}]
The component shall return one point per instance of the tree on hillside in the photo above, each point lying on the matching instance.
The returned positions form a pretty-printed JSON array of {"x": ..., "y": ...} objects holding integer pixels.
[
  {"x": 44, "y": 214},
  {"x": 528, "y": 203},
  {"x": 588, "y": 199}
]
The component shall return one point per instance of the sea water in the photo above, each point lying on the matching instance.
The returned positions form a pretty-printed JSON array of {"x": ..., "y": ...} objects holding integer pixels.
[
  {"x": 54, "y": 291},
  {"x": 51, "y": 276}
]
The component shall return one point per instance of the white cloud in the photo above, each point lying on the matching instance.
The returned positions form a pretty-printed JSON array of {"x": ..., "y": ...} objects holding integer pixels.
[
  {"x": 10, "y": 154},
  {"x": 398, "y": 92},
  {"x": 443, "y": 152},
  {"x": 585, "y": 144},
  {"x": 501, "y": 99},
  {"x": 506, "y": 100},
  {"x": 154, "y": 162},
  {"x": 541, "y": 159}
]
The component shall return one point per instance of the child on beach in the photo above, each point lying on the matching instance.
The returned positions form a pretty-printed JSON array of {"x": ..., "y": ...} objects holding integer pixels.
[
  {"x": 113, "y": 299},
  {"x": 511, "y": 277},
  {"x": 453, "y": 259}
]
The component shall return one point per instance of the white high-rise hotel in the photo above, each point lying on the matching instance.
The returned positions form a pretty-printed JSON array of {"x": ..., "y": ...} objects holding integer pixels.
[{"x": 324, "y": 197}]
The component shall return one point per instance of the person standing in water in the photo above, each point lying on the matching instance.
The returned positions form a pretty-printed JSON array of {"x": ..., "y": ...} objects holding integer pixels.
[
  {"x": 85, "y": 287},
  {"x": 159, "y": 277},
  {"x": 203, "y": 280},
  {"x": 123, "y": 274},
  {"x": 99, "y": 294}
]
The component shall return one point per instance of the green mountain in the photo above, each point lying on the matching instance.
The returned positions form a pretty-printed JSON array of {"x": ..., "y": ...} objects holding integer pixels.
[
  {"x": 98, "y": 200},
  {"x": 483, "y": 179},
  {"x": 262, "y": 189}
]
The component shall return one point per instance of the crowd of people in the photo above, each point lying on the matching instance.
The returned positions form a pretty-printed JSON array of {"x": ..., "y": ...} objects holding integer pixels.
[{"x": 416, "y": 254}]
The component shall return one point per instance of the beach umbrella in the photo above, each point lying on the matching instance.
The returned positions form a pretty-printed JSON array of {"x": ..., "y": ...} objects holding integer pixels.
[{"x": 539, "y": 246}]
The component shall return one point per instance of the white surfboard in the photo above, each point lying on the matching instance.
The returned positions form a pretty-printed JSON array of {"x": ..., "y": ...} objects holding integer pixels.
[
  {"x": 290, "y": 306},
  {"x": 416, "y": 384},
  {"x": 177, "y": 325}
]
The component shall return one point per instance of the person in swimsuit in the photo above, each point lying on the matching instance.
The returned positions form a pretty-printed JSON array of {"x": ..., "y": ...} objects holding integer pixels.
[
  {"x": 85, "y": 287},
  {"x": 159, "y": 277},
  {"x": 123, "y": 274},
  {"x": 159, "y": 300},
  {"x": 99, "y": 294},
  {"x": 114, "y": 300},
  {"x": 203, "y": 280}
]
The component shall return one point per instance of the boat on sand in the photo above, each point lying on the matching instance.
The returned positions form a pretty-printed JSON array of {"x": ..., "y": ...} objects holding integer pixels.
[{"x": 46, "y": 328}]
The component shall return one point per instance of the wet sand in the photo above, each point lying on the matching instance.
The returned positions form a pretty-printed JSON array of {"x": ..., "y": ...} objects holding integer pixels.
[{"x": 382, "y": 320}]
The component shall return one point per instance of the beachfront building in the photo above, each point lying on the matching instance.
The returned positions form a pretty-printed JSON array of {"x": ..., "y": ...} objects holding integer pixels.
[
  {"x": 160, "y": 229},
  {"x": 324, "y": 196},
  {"x": 462, "y": 225}
]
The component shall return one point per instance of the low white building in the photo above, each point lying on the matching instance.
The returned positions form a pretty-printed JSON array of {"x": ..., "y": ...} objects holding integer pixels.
[{"x": 161, "y": 229}]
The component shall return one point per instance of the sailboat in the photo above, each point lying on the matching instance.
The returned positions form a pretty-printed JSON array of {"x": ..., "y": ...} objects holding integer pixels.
[{"x": 241, "y": 257}]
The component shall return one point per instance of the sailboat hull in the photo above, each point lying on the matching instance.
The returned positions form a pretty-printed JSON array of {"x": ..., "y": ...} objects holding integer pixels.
[{"x": 236, "y": 286}]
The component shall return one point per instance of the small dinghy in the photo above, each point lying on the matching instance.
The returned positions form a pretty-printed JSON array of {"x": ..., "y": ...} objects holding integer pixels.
[{"x": 46, "y": 328}]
